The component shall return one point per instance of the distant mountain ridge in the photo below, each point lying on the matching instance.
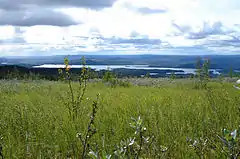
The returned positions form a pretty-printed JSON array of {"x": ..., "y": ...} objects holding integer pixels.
[
  {"x": 179, "y": 61},
  {"x": 2, "y": 60}
]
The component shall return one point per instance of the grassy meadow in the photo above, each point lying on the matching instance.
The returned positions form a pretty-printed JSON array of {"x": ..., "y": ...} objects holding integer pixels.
[{"x": 180, "y": 120}]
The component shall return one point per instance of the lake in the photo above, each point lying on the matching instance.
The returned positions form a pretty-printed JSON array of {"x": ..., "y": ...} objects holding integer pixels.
[{"x": 134, "y": 67}]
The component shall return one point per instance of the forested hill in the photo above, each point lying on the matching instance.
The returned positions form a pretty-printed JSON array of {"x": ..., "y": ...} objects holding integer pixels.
[{"x": 20, "y": 72}]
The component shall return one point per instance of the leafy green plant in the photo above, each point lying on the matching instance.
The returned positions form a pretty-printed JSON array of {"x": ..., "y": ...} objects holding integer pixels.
[
  {"x": 96, "y": 155},
  {"x": 231, "y": 142},
  {"x": 132, "y": 147},
  {"x": 1, "y": 147},
  {"x": 200, "y": 146}
]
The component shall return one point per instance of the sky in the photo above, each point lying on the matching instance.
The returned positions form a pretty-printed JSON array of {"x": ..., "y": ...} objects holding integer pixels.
[{"x": 60, "y": 27}]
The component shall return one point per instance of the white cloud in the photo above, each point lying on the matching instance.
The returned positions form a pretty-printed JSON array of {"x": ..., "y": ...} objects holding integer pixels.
[
  {"x": 7, "y": 32},
  {"x": 186, "y": 23}
]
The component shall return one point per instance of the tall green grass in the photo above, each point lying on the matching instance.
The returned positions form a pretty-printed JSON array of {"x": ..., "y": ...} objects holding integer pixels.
[{"x": 35, "y": 123}]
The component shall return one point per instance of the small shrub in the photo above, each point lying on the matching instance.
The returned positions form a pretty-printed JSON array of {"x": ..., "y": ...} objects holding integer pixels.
[
  {"x": 202, "y": 74},
  {"x": 91, "y": 130},
  {"x": 172, "y": 76},
  {"x": 77, "y": 97},
  {"x": 111, "y": 79},
  {"x": 108, "y": 76}
]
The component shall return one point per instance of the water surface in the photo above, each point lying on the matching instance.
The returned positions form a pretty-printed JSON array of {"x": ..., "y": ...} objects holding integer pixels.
[{"x": 134, "y": 67}]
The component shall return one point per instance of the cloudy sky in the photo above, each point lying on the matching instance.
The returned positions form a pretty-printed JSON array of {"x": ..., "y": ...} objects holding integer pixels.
[{"x": 50, "y": 27}]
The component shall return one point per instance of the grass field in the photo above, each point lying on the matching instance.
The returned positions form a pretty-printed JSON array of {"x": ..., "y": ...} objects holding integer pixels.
[{"x": 34, "y": 119}]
